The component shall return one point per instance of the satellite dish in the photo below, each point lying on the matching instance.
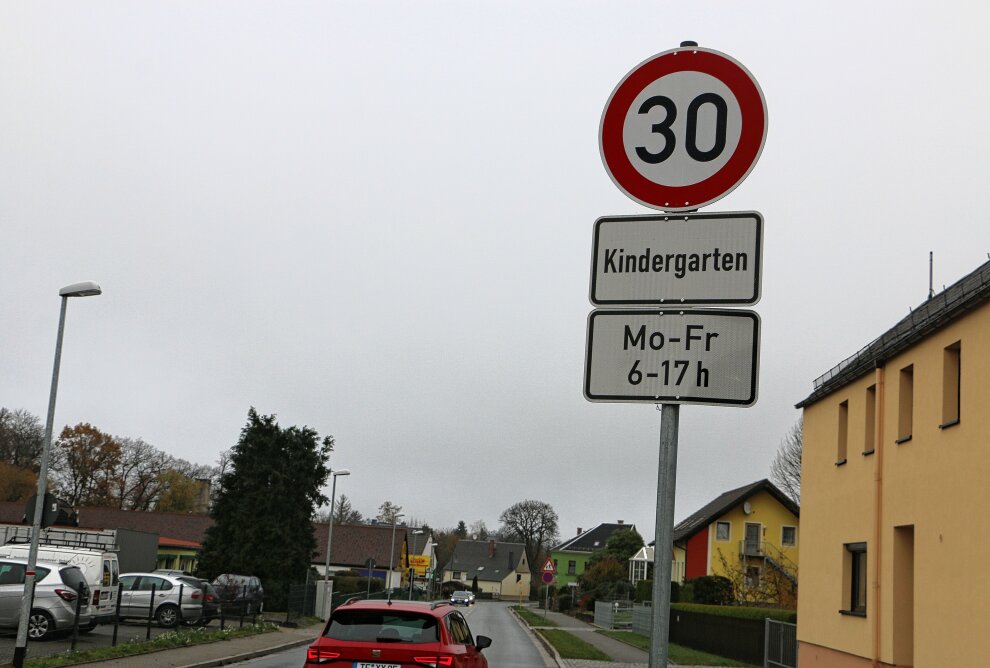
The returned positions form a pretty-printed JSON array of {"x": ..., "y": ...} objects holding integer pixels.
[{"x": 747, "y": 509}]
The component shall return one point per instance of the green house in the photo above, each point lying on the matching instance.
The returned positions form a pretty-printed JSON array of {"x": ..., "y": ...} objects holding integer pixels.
[{"x": 571, "y": 557}]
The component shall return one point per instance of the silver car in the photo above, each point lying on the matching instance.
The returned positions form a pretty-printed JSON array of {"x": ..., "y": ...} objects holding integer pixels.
[
  {"x": 57, "y": 587},
  {"x": 167, "y": 609}
]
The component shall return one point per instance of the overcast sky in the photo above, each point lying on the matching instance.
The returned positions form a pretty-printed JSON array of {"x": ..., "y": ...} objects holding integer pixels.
[{"x": 375, "y": 219}]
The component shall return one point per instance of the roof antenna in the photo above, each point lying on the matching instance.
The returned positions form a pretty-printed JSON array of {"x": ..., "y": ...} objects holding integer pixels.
[{"x": 931, "y": 290}]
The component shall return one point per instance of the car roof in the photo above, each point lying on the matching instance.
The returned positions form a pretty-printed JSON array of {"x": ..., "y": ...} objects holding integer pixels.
[
  {"x": 47, "y": 564},
  {"x": 401, "y": 606}
]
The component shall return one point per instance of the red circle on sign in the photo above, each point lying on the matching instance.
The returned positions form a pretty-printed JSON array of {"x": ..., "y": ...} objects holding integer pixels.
[
  {"x": 752, "y": 108},
  {"x": 548, "y": 578}
]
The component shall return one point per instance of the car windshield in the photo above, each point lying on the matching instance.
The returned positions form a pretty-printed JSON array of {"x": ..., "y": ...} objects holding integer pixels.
[
  {"x": 382, "y": 626},
  {"x": 460, "y": 594},
  {"x": 191, "y": 581}
]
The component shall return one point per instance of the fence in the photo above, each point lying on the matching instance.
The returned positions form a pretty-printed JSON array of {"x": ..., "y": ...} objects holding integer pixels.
[
  {"x": 145, "y": 621},
  {"x": 614, "y": 614},
  {"x": 780, "y": 645}
]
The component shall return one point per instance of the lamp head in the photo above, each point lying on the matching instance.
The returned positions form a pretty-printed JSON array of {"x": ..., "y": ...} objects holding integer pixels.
[
  {"x": 342, "y": 472},
  {"x": 84, "y": 289}
]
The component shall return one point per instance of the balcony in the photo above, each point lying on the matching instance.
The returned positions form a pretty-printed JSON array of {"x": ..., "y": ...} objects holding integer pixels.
[{"x": 751, "y": 548}]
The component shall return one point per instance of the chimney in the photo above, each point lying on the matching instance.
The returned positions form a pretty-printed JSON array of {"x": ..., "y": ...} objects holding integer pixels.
[
  {"x": 579, "y": 531},
  {"x": 621, "y": 522},
  {"x": 491, "y": 549}
]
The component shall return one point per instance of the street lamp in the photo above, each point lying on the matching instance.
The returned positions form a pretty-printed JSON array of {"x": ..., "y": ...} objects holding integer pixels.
[
  {"x": 85, "y": 289},
  {"x": 391, "y": 556},
  {"x": 326, "y": 570}
]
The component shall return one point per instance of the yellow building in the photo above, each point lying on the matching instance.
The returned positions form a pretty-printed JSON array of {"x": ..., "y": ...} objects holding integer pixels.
[
  {"x": 749, "y": 535},
  {"x": 895, "y": 532}
]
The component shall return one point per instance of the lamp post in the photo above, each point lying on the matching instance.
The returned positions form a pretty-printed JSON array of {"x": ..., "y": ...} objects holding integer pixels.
[
  {"x": 391, "y": 557},
  {"x": 86, "y": 289},
  {"x": 326, "y": 570},
  {"x": 417, "y": 532}
]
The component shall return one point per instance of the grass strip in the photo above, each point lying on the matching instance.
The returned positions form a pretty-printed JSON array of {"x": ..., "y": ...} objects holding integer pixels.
[
  {"x": 169, "y": 640},
  {"x": 682, "y": 656},
  {"x": 531, "y": 617},
  {"x": 569, "y": 646}
]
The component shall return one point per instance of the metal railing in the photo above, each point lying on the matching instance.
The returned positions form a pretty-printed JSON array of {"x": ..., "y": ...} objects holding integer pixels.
[{"x": 780, "y": 645}]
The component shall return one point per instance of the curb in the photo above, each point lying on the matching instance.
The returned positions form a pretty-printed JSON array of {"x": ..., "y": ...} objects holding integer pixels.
[
  {"x": 539, "y": 637},
  {"x": 237, "y": 658}
]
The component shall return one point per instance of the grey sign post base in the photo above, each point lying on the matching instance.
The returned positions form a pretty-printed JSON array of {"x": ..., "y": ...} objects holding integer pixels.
[{"x": 663, "y": 547}]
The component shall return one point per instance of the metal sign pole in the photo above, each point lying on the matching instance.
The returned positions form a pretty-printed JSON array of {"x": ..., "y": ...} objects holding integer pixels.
[{"x": 663, "y": 547}]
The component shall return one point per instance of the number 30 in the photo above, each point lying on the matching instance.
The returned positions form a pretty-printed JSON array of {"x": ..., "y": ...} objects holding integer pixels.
[{"x": 691, "y": 131}]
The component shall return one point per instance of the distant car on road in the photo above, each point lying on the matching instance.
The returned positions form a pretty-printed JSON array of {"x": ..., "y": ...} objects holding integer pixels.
[
  {"x": 57, "y": 586},
  {"x": 397, "y": 633},
  {"x": 460, "y": 598},
  {"x": 167, "y": 609}
]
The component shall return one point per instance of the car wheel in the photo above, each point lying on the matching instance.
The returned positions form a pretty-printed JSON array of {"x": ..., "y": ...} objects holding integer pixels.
[
  {"x": 41, "y": 625},
  {"x": 167, "y": 616}
]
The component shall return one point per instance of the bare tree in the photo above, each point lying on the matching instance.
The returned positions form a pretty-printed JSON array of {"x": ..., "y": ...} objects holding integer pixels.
[
  {"x": 479, "y": 530},
  {"x": 785, "y": 471},
  {"x": 22, "y": 439},
  {"x": 388, "y": 513},
  {"x": 535, "y": 522}
]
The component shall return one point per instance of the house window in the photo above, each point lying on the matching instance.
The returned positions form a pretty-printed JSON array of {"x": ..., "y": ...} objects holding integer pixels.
[
  {"x": 950, "y": 385},
  {"x": 840, "y": 456},
  {"x": 722, "y": 530},
  {"x": 857, "y": 580},
  {"x": 788, "y": 536},
  {"x": 571, "y": 567},
  {"x": 457, "y": 575},
  {"x": 905, "y": 404},
  {"x": 869, "y": 435}
]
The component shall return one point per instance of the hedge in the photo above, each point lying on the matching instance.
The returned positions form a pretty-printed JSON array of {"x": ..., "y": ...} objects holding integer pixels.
[{"x": 740, "y": 612}]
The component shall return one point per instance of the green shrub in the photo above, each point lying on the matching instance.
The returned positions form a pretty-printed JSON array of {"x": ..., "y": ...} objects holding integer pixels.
[
  {"x": 675, "y": 592},
  {"x": 712, "y": 590},
  {"x": 564, "y": 602},
  {"x": 644, "y": 590},
  {"x": 687, "y": 592},
  {"x": 738, "y": 611}
]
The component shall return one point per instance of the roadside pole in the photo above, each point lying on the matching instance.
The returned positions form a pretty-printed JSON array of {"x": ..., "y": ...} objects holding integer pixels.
[{"x": 663, "y": 547}]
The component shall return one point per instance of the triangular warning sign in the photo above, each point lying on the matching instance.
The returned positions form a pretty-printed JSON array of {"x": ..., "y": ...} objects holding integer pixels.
[{"x": 548, "y": 567}]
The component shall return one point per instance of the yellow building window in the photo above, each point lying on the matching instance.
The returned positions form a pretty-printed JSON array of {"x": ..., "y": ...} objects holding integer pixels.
[
  {"x": 840, "y": 456},
  {"x": 950, "y": 385},
  {"x": 855, "y": 579},
  {"x": 869, "y": 434},
  {"x": 905, "y": 404}
]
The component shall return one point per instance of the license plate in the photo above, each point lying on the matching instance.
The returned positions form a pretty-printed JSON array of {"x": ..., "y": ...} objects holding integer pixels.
[{"x": 361, "y": 664}]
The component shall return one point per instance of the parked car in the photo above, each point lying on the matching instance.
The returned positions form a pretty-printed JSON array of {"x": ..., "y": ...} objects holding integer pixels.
[
  {"x": 100, "y": 568},
  {"x": 471, "y": 596},
  {"x": 167, "y": 609},
  {"x": 461, "y": 597},
  {"x": 240, "y": 593},
  {"x": 57, "y": 587},
  {"x": 211, "y": 600},
  {"x": 403, "y": 633}
]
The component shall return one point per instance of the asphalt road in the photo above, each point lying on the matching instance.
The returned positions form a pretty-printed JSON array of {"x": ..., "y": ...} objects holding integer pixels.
[{"x": 511, "y": 645}]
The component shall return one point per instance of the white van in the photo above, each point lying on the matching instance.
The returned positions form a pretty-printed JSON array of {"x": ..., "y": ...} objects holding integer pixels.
[{"x": 101, "y": 570}]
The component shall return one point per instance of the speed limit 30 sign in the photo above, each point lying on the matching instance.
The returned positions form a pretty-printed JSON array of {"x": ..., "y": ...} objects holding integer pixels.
[{"x": 683, "y": 129}]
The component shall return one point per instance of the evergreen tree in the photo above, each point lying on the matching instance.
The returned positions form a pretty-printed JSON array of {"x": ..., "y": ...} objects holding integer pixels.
[{"x": 264, "y": 507}]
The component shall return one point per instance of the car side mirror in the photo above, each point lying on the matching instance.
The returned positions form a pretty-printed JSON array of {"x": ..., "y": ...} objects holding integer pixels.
[{"x": 482, "y": 642}]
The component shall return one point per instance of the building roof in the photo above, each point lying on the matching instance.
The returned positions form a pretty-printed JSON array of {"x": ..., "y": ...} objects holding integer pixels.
[
  {"x": 964, "y": 295},
  {"x": 354, "y": 544},
  {"x": 165, "y": 541},
  {"x": 487, "y": 559},
  {"x": 726, "y": 502},
  {"x": 593, "y": 539},
  {"x": 184, "y": 526}
]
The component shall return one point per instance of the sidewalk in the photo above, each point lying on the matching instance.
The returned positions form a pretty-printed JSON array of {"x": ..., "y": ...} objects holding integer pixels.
[
  {"x": 222, "y": 652},
  {"x": 623, "y": 655}
]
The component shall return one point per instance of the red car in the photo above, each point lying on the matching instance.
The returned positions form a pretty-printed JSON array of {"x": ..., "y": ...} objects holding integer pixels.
[{"x": 397, "y": 634}]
